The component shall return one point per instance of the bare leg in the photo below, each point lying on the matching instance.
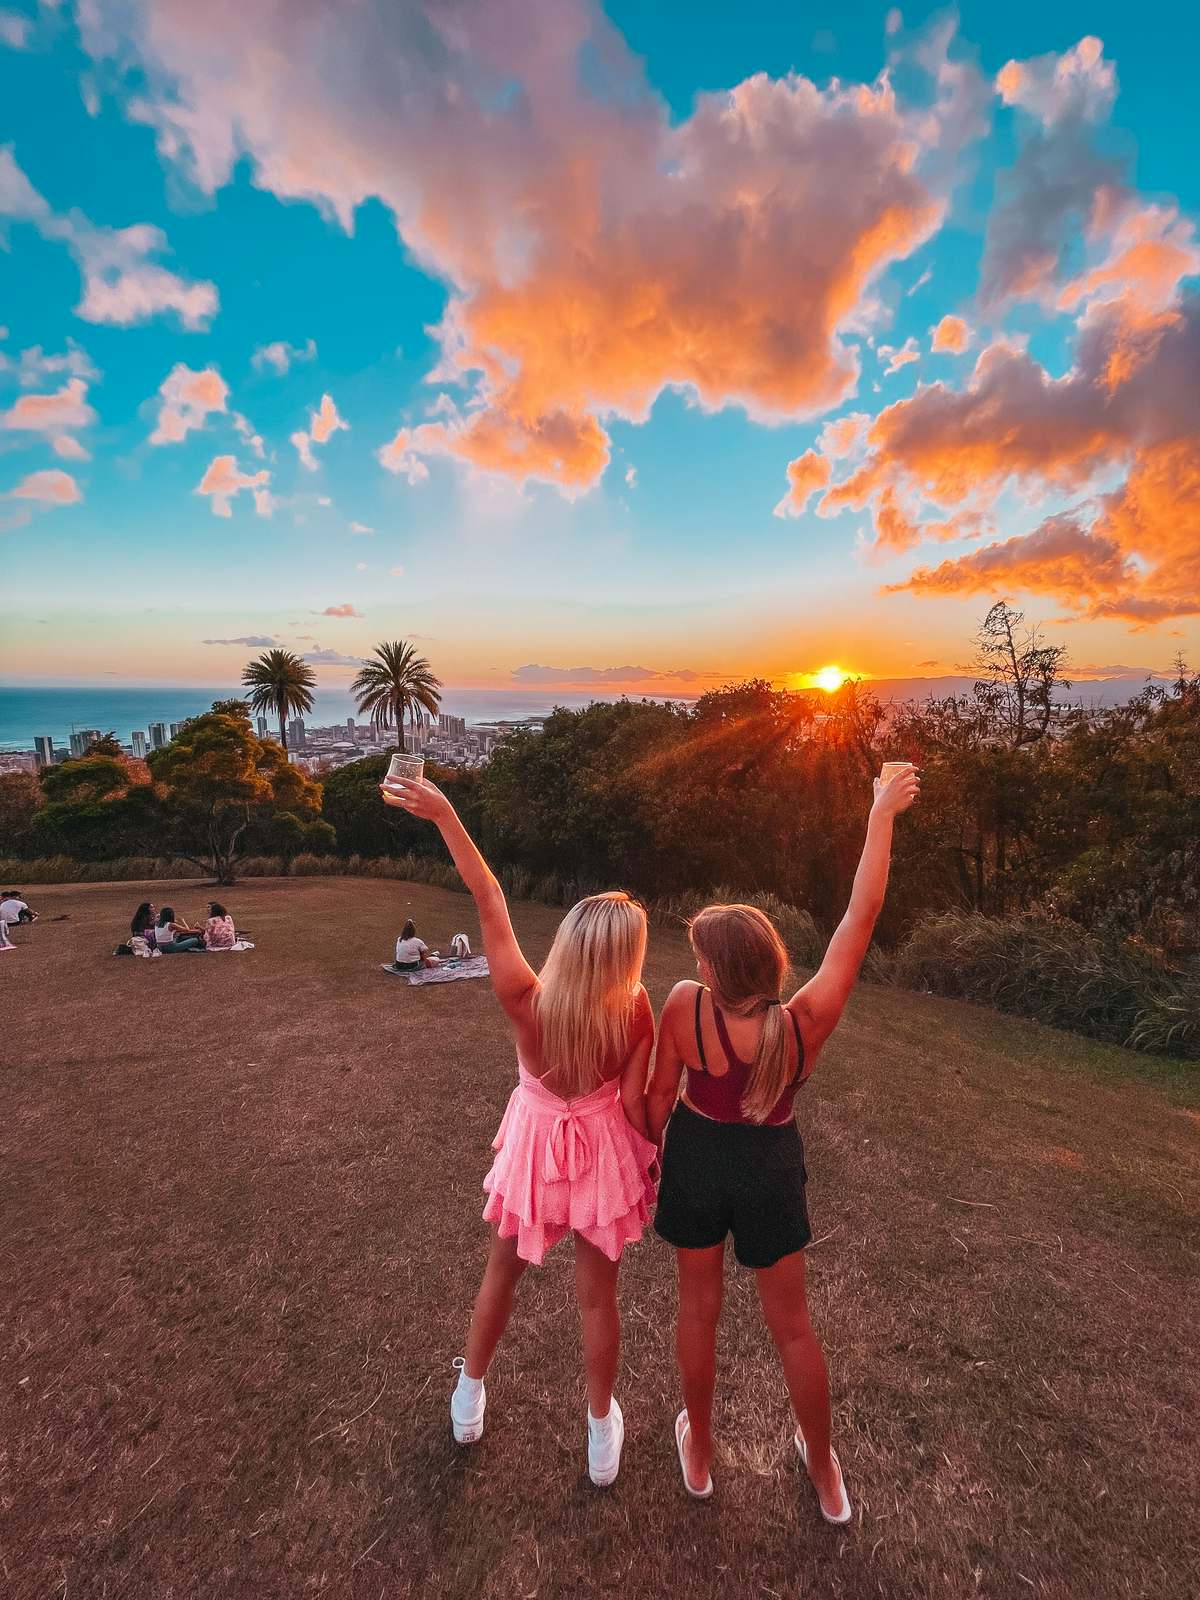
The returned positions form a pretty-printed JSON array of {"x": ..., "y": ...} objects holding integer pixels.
[
  {"x": 785, "y": 1306},
  {"x": 596, "y": 1291},
  {"x": 701, "y": 1284},
  {"x": 493, "y": 1304}
]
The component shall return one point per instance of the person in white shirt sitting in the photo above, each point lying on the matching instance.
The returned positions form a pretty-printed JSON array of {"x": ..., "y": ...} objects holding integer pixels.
[
  {"x": 412, "y": 952},
  {"x": 14, "y": 909}
]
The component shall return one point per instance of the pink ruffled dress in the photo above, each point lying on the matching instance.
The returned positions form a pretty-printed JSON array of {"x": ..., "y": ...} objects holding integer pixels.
[{"x": 568, "y": 1166}]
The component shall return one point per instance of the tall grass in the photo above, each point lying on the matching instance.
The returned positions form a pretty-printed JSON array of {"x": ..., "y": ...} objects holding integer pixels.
[
  {"x": 1055, "y": 972},
  {"x": 121, "y": 869},
  {"x": 804, "y": 940}
]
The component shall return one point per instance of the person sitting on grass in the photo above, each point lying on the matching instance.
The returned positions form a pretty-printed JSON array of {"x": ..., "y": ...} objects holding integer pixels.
[
  {"x": 171, "y": 936},
  {"x": 412, "y": 953},
  {"x": 571, "y": 1152},
  {"x": 13, "y": 908},
  {"x": 219, "y": 931},
  {"x": 733, "y": 1160},
  {"x": 142, "y": 924}
]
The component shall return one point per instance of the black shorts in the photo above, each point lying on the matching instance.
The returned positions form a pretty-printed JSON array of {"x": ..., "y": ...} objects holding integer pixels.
[{"x": 733, "y": 1177}]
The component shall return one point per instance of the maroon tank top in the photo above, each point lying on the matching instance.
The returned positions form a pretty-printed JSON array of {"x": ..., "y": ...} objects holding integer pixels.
[{"x": 721, "y": 1097}]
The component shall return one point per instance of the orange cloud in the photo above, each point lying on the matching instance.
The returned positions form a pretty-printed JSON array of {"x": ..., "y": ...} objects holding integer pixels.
[
  {"x": 806, "y": 475},
  {"x": 597, "y": 251},
  {"x": 187, "y": 399},
  {"x": 51, "y": 413},
  {"x": 323, "y": 423},
  {"x": 223, "y": 479},
  {"x": 340, "y": 611},
  {"x": 1059, "y": 558},
  {"x": 1043, "y": 201},
  {"x": 952, "y": 335},
  {"x": 51, "y": 487}
]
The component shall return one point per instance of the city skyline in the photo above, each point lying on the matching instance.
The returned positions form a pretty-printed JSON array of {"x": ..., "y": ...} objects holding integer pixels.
[{"x": 652, "y": 357}]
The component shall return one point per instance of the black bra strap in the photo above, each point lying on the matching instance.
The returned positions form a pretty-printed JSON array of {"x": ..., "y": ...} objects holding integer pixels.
[
  {"x": 699, "y": 1031},
  {"x": 799, "y": 1046}
]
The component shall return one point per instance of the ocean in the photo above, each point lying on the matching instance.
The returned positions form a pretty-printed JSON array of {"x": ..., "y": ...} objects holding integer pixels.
[{"x": 25, "y": 713}]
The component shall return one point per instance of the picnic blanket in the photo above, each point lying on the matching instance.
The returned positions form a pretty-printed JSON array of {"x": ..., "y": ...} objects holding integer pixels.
[{"x": 448, "y": 972}]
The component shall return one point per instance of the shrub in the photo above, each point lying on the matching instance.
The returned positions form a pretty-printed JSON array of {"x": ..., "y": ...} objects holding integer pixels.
[
  {"x": 260, "y": 867},
  {"x": 308, "y": 865},
  {"x": 119, "y": 869},
  {"x": 1057, "y": 973},
  {"x": 797, "y": 928}
]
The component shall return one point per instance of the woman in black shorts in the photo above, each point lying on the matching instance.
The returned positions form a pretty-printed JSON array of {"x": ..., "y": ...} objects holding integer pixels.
[{"x": 733, "y": 1161}]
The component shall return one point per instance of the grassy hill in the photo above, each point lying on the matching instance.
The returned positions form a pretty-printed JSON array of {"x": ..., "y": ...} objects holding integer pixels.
[{"x": 241, "y": 1199}]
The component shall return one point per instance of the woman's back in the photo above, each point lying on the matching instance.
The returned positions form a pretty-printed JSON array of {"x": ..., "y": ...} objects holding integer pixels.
[{"x": 562, "y": 1077}]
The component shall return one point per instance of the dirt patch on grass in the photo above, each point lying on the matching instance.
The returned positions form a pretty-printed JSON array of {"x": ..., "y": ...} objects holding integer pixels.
[{"x": 241, "y": 1199}]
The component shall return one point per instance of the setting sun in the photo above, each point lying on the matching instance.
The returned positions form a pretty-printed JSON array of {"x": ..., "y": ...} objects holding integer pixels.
[{"x": 829, "y": 678}]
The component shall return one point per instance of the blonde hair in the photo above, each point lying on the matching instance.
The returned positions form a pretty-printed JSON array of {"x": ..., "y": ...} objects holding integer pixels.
[
  {"x": 587, "y": 987},
  {"x": 749, "y": 962}
]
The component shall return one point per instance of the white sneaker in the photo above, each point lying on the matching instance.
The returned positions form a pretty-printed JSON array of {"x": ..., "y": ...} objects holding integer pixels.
[
  {"x": 467, "y": 1403},
  {"x": 605, "y": 1438}
]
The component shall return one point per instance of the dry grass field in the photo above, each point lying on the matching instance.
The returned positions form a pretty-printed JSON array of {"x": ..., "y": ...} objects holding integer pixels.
[{"x": 240, "y": 1199}]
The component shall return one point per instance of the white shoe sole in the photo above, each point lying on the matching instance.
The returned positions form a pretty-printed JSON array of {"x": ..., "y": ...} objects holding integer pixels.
[
  {"x": 682, "y": 1425},
  {"x": 846, "y": 1510}
]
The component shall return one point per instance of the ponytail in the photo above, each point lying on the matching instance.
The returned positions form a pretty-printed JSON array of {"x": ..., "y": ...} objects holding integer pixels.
[{"x": 749, "y": 964}]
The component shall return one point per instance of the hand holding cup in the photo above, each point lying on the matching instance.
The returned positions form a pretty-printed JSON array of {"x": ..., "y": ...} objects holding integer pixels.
[
  {"x": 896, "y": 788},
  {"x": 417, "y": 796}
]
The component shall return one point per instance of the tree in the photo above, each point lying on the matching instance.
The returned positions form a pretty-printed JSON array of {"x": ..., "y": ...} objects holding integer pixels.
[
  {"x": 1017, "y": 676},
  {"x": 217, "y": 782},
  {"x": 396, "y": 683},
  {"x": 20, "y": 801},
  {"x": 232, "y": 708},
  {"x": 279, "y": 682},
  {"x": 351, "y": 803},
  {"x": 90, "y": 777},
  {"x": 107, "y": 745}
]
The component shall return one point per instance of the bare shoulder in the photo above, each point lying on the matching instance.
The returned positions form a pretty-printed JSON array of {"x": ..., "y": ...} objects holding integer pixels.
[
  {"x": 813, "y": 1030},
  {"x": 681, "y": 996}
]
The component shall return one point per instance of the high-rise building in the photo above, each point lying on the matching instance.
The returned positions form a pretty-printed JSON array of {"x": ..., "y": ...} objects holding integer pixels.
[
  {"x": 139, "y": 744},
  {"x": 295, "y": 733},
  {"x": 262, "y": 727},
  {"x": 175, "y": 727},
  {"x": 158, "y": 735},
  {"x": 43, "y": 747},
  {"x": 454, "y": 727},
  {"x": 83, "y": 740}
]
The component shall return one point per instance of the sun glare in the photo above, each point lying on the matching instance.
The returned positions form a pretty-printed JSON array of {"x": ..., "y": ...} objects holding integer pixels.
[{"x": 829, "y": 678}]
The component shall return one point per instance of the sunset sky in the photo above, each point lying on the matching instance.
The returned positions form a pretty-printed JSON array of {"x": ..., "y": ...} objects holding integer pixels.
[{"x": 649, "y": 345}]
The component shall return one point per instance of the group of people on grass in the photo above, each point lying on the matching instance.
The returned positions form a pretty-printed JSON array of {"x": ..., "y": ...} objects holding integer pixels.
[
  {"x": 162, "y": 931},
  {"x": 593, "y": 1143}
]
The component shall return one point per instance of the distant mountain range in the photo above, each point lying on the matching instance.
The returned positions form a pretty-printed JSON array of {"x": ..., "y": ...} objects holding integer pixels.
[{"x": 1088, "y": 692}]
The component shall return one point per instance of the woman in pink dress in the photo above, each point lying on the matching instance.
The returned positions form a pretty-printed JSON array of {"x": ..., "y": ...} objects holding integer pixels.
[{"x": 572, "y": 1154}]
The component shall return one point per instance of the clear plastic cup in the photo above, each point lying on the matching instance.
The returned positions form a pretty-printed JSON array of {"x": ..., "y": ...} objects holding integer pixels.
[
  {"x": 410, "y": 768},
  {"x": 894, "y": 769}
]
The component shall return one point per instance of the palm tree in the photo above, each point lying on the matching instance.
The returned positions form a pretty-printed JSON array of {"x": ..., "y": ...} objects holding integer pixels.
[
  {"x": 280, "y": 682},
  {"x": 394, "y": 683}
]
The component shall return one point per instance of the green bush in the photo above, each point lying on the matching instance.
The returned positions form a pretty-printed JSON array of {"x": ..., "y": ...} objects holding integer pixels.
[{"x": 1057, "y": 973}]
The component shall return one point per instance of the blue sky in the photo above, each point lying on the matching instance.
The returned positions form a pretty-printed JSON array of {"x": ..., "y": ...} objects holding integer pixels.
[{"x": 671, "y": 556}]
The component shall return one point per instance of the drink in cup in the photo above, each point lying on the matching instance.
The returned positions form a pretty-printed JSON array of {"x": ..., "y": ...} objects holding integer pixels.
[
  {"x": 894, "y": 769},
  {"x": 409, "y": 768}
]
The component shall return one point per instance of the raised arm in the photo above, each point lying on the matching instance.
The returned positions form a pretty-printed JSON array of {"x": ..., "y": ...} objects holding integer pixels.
[
  {"x": 512, "y": 977},
  {"x": 820, "y": 1003}
]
